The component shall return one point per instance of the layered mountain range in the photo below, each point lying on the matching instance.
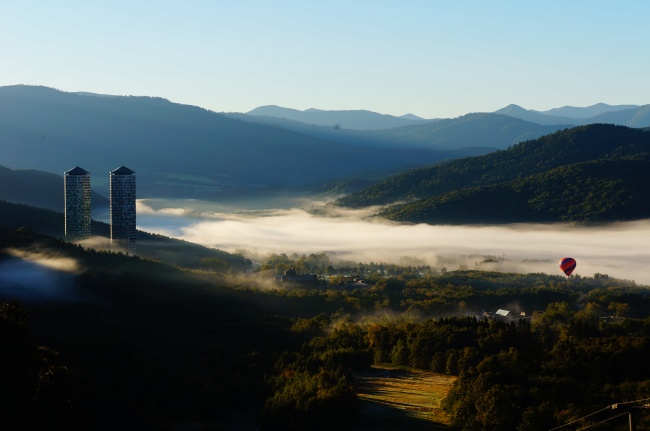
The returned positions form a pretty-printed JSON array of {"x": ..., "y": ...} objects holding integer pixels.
[
  {"x": 179, "y": 150},
  {"x": 189, "y": 152},
  {"x": 627, "y": 115}
]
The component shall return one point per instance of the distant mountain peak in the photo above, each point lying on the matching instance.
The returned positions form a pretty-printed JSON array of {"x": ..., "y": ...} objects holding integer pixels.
[
  {"x": 511, "y": 109},
  {"x": 272, "y": 111},
  {"x": 413, "y": 117}
]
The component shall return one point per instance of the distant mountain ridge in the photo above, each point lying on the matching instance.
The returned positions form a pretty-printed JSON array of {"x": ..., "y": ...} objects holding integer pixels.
[
  {"x": 176, "y": 150},
  {"x": 532, "y": 116},
  {"x": 362, "y": 120},
  {"x": 588, "y": 111},
  {"x": 473, "y": 130},
  {"x": 350, "y": 119},
  {"x": 478, "y": 131},
  {"x": 468, "y": 135},
  {"x": 624, "y": 115}
]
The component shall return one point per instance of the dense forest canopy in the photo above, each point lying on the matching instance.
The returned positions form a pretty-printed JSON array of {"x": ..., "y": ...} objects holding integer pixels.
[
  {"x": 157, "y": 345},
  {"x": 588, "y": 173}
]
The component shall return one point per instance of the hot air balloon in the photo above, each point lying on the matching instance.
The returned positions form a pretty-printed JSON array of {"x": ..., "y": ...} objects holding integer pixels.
[{"x": 567, "y": 265}]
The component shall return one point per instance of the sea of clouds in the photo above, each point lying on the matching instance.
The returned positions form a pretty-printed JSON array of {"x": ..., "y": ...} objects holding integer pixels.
[{"x": 257, "y": 228}]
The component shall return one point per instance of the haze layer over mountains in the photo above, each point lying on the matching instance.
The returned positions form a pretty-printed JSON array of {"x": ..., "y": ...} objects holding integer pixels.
[{"x": 182, "y": 151}]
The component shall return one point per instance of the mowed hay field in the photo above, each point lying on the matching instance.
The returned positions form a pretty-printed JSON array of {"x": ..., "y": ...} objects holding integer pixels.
[{"x": 403, "y": 399}]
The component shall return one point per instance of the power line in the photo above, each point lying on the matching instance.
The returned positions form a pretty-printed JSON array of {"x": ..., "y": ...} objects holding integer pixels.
[
  {"x": 579, "y": 419},
  {"x": 602, "y": 422},
  {"x": 631, "y": 402},
  {"x": 610, "y": 407}
]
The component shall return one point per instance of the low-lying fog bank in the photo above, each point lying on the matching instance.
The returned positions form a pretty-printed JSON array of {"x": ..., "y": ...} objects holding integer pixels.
[
  {"x": 291, "y": 226},
  {"x": 36, "y": 276}
]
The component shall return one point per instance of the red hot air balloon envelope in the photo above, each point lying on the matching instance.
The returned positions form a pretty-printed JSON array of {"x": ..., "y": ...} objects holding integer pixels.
[{"x": 567, "y": 265}]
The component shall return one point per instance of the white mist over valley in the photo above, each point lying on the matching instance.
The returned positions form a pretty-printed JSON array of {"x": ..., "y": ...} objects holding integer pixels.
[{"x": 295, "y": 225}]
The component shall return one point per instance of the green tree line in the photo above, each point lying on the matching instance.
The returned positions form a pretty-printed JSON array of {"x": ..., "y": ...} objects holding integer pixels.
[{"x": 586, "y": 173}]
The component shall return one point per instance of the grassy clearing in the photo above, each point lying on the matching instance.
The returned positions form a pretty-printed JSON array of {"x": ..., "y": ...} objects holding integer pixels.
[{"x": 392, "y": 395}]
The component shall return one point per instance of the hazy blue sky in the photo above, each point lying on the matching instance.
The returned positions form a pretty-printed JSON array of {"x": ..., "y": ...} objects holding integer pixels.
[{"x": 430, "y": 58}]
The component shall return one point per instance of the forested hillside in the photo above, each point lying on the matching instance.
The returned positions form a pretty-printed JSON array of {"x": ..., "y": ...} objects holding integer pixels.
[
  {"x": 132, "y": 344},
  {"x": 546, "y": 179},
  {"x": 124, "y": 342},
  {"x": 40, "y": 189},
  {"x": 604, "y": 190}
]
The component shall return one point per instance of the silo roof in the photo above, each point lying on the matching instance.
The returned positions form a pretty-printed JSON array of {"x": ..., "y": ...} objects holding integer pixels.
[
  {"x": 122, "y": 170},
  {"x": 76, "y": 171}
]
